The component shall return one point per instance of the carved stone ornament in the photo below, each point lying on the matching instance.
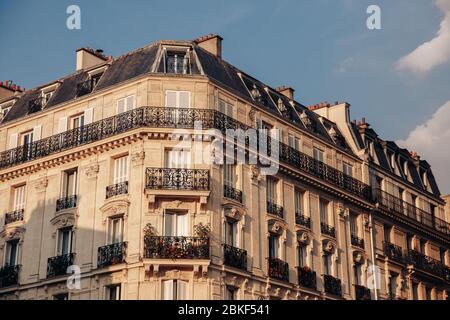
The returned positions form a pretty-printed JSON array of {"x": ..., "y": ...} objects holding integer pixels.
[
  {"x": 255, "y": 175},
  {"x": 233, "y": 213},
  {"x": 65, "y": 219},
  {"x": 275, "y": 227},
  {"x": 41, "y": 184},
  {"x": 303, "y": 238},
  {"x": 328, "y": 246},
  {"x": 138, "y": 158},
  {"x": 252, "y": 114},
  {"x": 13, "y": 232},
  {"x": 115, "y": 207},
  {"x": 358, "y": 257},
  {"x": 92, "y": 169}
]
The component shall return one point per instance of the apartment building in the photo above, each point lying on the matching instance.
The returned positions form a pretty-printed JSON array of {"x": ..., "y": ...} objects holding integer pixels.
[{"x": 113, "y": 187}]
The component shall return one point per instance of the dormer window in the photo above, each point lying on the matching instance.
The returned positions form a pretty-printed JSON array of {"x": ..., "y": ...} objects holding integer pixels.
[
  {"x": 281, "y": 106},
  {"x": 177, "y": 62},
  {"x": 86, "y": 87},
  {"x": 256, "y": 94},
  {"x": 4, "y": 111},
  {"x": 306, "y": 120},
  {"x": 46, "y": 96}
]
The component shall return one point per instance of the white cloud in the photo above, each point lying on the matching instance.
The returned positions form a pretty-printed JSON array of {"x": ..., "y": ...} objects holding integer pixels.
[
  {"x": 431, "y": 140},
  {"x": 345, "y": 65},
  {"x": 433, "y": 53}
]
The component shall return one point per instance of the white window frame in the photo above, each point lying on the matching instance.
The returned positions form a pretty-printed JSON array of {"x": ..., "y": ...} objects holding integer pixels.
[
  {"x": 59, "y": 246},
  {"x": 179, "y": 226},
  {"x": 126, "y": 104},
  {"x": 112, "y": 232},
  {"x": 19, "y": 197},
  {"x": 347, "y": 168},
  {"x": 318, "y": 154},
  {"x": 177, "y": 158},
  {"x": 230, "y": 175},
  {"x": 226, "y": 108},
  {"x": 117, "y": 287},
  {"x": 120, "y": 167},
  {"x": 7, "y": 257},
  {"x": 272, "y": 192},
  {"x": 80, "y": 118},
  {"x": 324, "y": 214},
  {"x": 24, "y": 135},
  {"x": 299, "y": 201},
  {"x": 65, "y": 182},
  {"x": 178, "y": 98},
  {"x": 174, "y": 290}
]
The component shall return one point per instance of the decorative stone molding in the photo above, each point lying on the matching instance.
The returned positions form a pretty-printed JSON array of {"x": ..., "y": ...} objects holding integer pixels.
[
  {"x": 114, "y": 207},
  {"x": 91, "y": 170},
  {"x": 233, "y": 213},
  {"x": 342, "y": 211},
  {"x": 358, "y": 257},
  {"x": 255, "y": 173},
  {"x": 328, "y": 246},
  {"x": 276, "y": 227},
  {"x": 41, "y": 184},
  {"x": 65, "y": 219},
  {"x": 252, "y": 114},
  {"x": 303, "y": 238},
  {"x": 137, "y": 158},
  {"x": 13, "y": 232}
]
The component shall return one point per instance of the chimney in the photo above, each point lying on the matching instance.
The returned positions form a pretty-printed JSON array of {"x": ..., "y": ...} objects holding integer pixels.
[
  {"x": 286, "y": 91},
  {"x": 211, "y": 43},
  {"x": 9, "y": 89},
  {"x": 87, "y": 57}
]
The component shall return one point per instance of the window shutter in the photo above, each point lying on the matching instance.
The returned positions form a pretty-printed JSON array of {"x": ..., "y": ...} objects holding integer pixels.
[
  {"x": 183, "y": 225},
  {"x": 181, "y": 290},
  {"x": 129, "y": 103},
  {"x": 168, "y": 225},
  {"x": 13, "y": 139},
  {"x": 184, "y": 99},
  {"x": 88, "y": 116},
  {"x": 62, "y": 125},
  {"x": 168, "y": 290},
  {"x": 37, "y": 132},
  {"x": 120, "y": 106},
  {"x": 171, "y": 99}
]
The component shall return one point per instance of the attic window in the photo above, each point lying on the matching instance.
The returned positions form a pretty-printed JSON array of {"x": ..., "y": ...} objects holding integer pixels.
[
  {"x": 281, "y": 106},
  {"x": 424, "y": 179},
  {"x": 256, "y": 94},
  {"x": 88, "y": 86},
  {"x": 3, "y": 112},
  {"x": 177, "y": 62},
  {"x": 307, "y": 122}
]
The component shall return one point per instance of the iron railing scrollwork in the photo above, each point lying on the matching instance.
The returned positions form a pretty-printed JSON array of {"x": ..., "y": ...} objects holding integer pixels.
[
  {"x": 327, "y": 230},
  {"x": 66, "y": 203},
  {"x": 362, "y": 293},
  {"x": 14, "y": 216},
  {"x": 278, "y": 269},
  {"x": 177, "y": 179},
  {"x": 275, "y": 209},
  {"x": 57, "y": 266},
  {"x": 427, "y": 264},
  {"x": 176, "y": 247},
  {"x": 232, "y": 193},
  {"x": 394, "y": 252},
  {"x": 111, "y": 254},
  {"x": 235, "y": 257},
  {"x": 307, "y": 278},
  {"x": 332, "y": 285},
  {"x": 9, "y": 276},
  {"x": 303, "y": 220},
  {"x": 357, "y": 242},
  {"x": 117, "y": 189}
]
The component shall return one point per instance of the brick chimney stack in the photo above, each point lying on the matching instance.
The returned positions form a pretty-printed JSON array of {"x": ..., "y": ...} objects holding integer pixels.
[
  {"x": 286, "y": 91},
  {"x": 211, "y": 43},
  {"x": 8, "y": 89}
]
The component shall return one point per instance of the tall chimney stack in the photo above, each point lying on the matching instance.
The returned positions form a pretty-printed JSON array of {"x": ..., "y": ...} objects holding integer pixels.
[
  {"x": 211, "y": 43},
  {"x": 286, "y": 91},
  {"x": 87, "y": 57}
]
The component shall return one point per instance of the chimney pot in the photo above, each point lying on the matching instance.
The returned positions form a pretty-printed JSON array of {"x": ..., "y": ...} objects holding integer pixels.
[{"x": 211, "y": 43}]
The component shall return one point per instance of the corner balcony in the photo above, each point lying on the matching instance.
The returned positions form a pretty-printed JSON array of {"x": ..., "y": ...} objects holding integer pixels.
[
  {"x": 362, "y": 293},
  {"x": 232, "y": 193},
  {"x": 427, "y": 264},
  {"x": 111, "y": 254},
  {"x": 275, "y": 209},
  {"x": 394, "y": 252},
  {"x": 57, "y": 266},
  {"x": 235, "y": 257},
  {"x": 66, "y": 203},
  {"x": 303, "y": 220},
  {"x": 278, "y": 269},
  {"x": 9, "y": 276},
  {"x": 14, "y": 216},
  {"x": 332, "y": 285},
  {"x": 175, "y": 247},
  {"x": 116, "y": 189},
  {"x": 357, "y": 242},
  {"x": 327, "y": 230},
  {"x": 307, "y": 278}
]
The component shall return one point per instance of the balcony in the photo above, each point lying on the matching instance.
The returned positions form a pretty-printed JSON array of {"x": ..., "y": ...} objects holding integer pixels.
[
  {"x": 117, "y": 189},
  {"x": 111, "y": 254},
  {"x": 235, "y": 257},
  {"x": 427, "y": 264},
  {"x": 275, "y": 209},
  {"x": 177, "y": 179},
  {"x": 402, "y": 208},
  {"x": 332, "y": 285},
  {"x": 362, "y": 293},
  {"x": 176, "y": 248},
  {"x": 9, "y": 276},
  {"x": 57, "y": 266},
  {"x": 232, "y": 193},
  {"x": 357, "y": 242},
  {"x": 278, "y": 269},
  {"x": 307, "y": 278},
  {"x": 327, "y": 230},
  {"x": 66, "y": 203},
  {"x": 14, "y": 216},
  {"x": 394, "y": 252},
  {"x": 303, "y": 220}
]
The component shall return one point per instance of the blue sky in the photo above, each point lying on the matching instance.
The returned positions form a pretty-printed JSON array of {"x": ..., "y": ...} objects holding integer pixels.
[{"x": 322, "y": 48}]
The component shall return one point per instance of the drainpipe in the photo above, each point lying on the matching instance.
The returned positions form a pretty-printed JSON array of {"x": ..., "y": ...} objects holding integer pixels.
[{"x": 372, "y": 249}]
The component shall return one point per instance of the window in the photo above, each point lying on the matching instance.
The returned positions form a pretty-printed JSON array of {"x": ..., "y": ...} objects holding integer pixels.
[
  {"x": 19, "y": 198},
  {"x": 231, "y": 233},
  {"x": 226, "y": 108},
  {"x": 115, "y": 234},
  {"x": 318, "y": 154},
  {"x": 177, "y": 62},
  {"x": 387, "y": 233},
  {"x": 113, "y": 292},
  {"x": 65, "y": 241},
  {"x": 176, "y": 224},
  {"x": 422, "y": 246},
  {"x": 298, "y": 198},
  {"x": 77, "y": 121},
  {"x": 27, "y": 138},
  {"x": 323, "y": 207},
  {"x": 415, "y": 290},
  {"x": 393, "y": 285},
  {"x": 229, "y": 175},
  {"x": 174, "y": 290},
  {"x": 177, "y": 158},
  {"x": 271, "y": 190},
  {"x": 69, "y": 183},
  {"x": 326, "y": 259},
  {"x": 46, "y": 96},
  {"x": 12, "y": 253},
  {"x": 125, "y": 104},
  {"x": 348, "y": 169},
  {"x": 120, "y": 170},
  {"x": 294, "y": 142},
  {"x": 357, "y": 274},
  {"x": 274, "y": 246},
  {"x": 428, "y": 293},
  {"x": 231, "y": 293},
  {"x": 61, "y": 296},
  {"x": 442, "y": 256},
  {"x": 178, "y": 99},
  {"x": 302, "y": 256},
  {"x": 354, "y": 225}
]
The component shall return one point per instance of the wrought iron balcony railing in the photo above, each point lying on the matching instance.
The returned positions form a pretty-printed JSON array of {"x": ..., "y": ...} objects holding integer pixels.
[
  {"x": 275, "y": 209},
  {"x": 307, "y": 278},
  {"x": 332, "y": 285},
  {"x": 14, "y": 216},
  {"x": 357, "y": 242},
  {"x": 394, "y": 252},
  {"x": 235, "y": 257},
  {"x": 183, "y": 118},
  {"x": 57, "y": 266},
  {"x": 303, "y": 220},
  {"x": 427, "y": 264},
  {"x": 327, "y": 230},
  {"x": 397, "y": 205},
  {"x": 9, "y": 276},
  {"x": 362, "y": 293},
  {"x": 66, "y": 203},
  {"x": 177, "y": 179},
  {"x": 116, "y": 189},
  {"x": 232, "y": 193},
  {"x": 111, "y": 254},
  {"x": 176, "y": 248},
  {"x": 278, "y": 269}
]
